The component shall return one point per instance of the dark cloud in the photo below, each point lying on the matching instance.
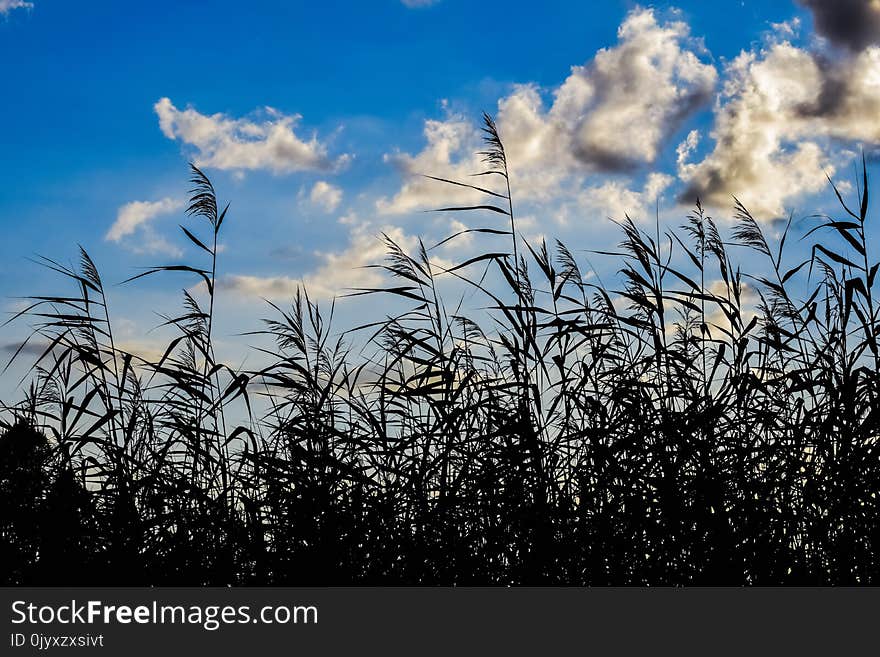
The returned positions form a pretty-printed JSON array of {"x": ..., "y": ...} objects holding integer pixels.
[
  {"x": 851, "y": 24},
  {"x": 29, "y": 348},
  {"x": 605, "y": 159},
  {"x": 288, "y": 252},
  {"x": 713, "y": 184},
  {"x": 612, "y": 158},
  {"x": 834, "y": 88}
]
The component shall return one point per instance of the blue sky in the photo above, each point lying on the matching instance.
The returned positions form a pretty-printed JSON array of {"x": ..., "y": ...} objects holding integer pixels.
[{"x": 314, "y": 118}]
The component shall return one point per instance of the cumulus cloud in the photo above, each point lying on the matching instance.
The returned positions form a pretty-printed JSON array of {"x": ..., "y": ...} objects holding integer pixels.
[
  {"x": 449, "y": 151},
  {"x": 136, "y": 214},
  {"x": 267, "y": 142},
  {"x": 612, "y": 114},
  {"x": 622, "y": 106},
  {"x": 779, "y": 112},
  {"x": 326, "y": 196},
  {"x": 134, "y": 231},
  {"x": 8, "y": 5},
  {"x": 851, "y": 24},
  {"x": 337, "y": 272},
  {"x": 616, "y": 199}
]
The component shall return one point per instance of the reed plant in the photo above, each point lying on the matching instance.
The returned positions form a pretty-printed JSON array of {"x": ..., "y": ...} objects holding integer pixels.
[{"x": 691, "y": 424}]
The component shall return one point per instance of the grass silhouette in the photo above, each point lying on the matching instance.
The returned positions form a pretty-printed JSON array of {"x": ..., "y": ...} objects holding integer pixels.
[{"x": 662, "y": 433}]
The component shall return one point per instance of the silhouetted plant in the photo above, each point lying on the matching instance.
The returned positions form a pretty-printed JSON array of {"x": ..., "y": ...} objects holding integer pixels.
[{"x": 669, "y": 431}]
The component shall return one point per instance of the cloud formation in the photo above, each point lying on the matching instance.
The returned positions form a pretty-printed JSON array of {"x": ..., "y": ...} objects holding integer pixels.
[
  {"x": 778, "y": 120},
  {"x": 325, "y": 196},
  {"x": 135, "y": 217},
  {"x": 8, "y": 5},
  {"x": 786, "y": 116},
  {"x": 617, "y": 200},
  {"x": 851, "y": 24},
  {"x": 337, "y": 272},
  {"x": 268, "y": 142},
  {"x": 612, "y": 114},
  {"x": 137, "y": 213},
  {"x": 450, "y": 149},
  {"x": 417, "y": 4},
  {"x": 620, "y": 108}
]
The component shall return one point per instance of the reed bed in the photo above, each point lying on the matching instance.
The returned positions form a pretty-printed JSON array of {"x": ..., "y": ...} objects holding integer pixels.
[{"x": 668, "y": 430}]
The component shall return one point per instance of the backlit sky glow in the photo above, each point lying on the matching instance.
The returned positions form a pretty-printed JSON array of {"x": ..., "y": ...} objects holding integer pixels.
[{"x": 315, "y": 119}]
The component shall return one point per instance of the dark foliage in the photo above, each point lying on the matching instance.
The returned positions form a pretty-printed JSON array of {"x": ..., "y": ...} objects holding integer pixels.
[{"x": 699, "y": 425}]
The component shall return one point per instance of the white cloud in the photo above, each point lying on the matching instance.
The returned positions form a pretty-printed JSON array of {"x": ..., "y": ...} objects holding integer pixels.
[
  {"x": 325, "y": 195},
  {"x": 640, "y": 90},
  {"x": 135, "y": 217},
  {"x": 776, "y": 123},
  {"x": 136, "y": 213},
  {"x": 786, "y": 116},
  {"x": 416, "y": 4},
  {"x": 449, "y": 152},
  {"x": 787, "y": 29},
  {"x": 8, "y": 5},
  {"x": 616, "y": 199},
  {"x": 337, "y": 272},
  {"x": 688, "y": 146},
  {"x": 349, "y": 218},
  {"x": 613, "y": 114},
  {"x": 268, "y": 142}
]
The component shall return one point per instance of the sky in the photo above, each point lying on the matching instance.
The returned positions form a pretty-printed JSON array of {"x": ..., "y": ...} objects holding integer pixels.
[{"x": 316, "y": 121}]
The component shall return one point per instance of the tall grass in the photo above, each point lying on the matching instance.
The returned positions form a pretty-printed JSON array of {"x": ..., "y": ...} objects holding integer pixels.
[{"x": 670, "y": 431}]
